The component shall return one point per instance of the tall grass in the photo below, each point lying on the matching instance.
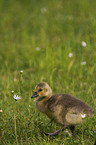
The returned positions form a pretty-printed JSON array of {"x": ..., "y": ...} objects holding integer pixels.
[{"x": 37, "y": 37}]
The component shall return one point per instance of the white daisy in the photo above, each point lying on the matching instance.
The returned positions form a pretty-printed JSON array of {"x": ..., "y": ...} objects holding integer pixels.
[
  {"x": 21, "y": 71},
  {"x": 16, "y": 97},
  {"x": 1, "y": 110},
  {"x": 43, "y": 10},
  {"x": 12, "y": 92},
  {"x": 37, "y": 48},
  {"x": 15, "y": 79},
  {"x": 67, "y": 132},
  {"x": 70, "y": 54},
  {"x": 83, "y": 115},
  {"x": 83, "y": 63},
  {"x": 83, "y": 44}
]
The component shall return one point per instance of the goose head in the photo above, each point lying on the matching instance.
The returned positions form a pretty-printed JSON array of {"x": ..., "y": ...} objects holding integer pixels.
[{"x": 42, "y": 90}]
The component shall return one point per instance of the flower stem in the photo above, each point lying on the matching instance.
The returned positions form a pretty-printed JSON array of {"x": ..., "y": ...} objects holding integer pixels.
[{"x": 15, "y": 129}]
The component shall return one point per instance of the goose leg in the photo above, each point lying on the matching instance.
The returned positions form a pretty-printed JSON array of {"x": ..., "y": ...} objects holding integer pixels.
[{"x": 55, "y": 132}]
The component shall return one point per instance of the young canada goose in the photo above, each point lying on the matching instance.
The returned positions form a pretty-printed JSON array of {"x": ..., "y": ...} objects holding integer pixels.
[{"x": 64, "y": 109}]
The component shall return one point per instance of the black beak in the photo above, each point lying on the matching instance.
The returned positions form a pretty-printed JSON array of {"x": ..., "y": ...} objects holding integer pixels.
[{"x": 34, "y": 95}]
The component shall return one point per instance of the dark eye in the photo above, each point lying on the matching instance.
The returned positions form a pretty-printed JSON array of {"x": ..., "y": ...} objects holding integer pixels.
[{"x": 40, "y": 90}]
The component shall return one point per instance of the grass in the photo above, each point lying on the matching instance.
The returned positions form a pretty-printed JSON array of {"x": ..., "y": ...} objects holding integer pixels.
[{"x": 57, "y": 28}]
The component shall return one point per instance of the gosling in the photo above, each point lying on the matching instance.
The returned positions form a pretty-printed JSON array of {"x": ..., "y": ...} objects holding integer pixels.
[{"x": 63, "y": 109}]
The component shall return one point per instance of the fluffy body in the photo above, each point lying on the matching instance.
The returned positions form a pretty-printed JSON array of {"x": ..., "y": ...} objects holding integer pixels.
[{"x": 64, "y": 109}]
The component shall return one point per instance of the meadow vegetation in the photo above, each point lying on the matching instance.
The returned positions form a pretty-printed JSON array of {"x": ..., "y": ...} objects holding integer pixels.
[{"x": 37, "y": 36}]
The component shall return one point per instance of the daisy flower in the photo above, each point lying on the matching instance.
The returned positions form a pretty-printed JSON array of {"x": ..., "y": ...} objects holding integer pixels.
[
  {"x": 67, "y": 132},
  {"x": 12, "y": 92},
  {"x": 37, "y": 48},
  {"x": 16, "y": 97},
  {"x": 83, "y": 116},
  {"x": 83, "y": 44},
  {"x": 70, "y": 54},
  {"x": 84, "y": 63},
  {"x": 43, "y": 10},
  {"x": 1, "y": 110},
  {"x": 21, "y": 71}
]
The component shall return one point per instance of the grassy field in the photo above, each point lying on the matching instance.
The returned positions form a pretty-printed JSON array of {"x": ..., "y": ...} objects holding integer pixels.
[{"x": 44, "y": 39}]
